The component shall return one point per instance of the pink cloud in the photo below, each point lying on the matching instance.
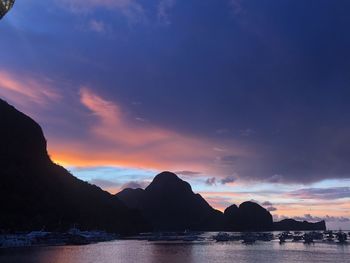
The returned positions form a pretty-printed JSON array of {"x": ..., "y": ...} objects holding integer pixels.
[
  {"x": 116, "y": 138},
  {"x": 24, "y": 89},
  {"x": 97, "y": 26}
]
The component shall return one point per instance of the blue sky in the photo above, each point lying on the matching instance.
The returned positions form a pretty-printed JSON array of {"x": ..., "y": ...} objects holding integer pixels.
[{"x": 241, "y": 97}]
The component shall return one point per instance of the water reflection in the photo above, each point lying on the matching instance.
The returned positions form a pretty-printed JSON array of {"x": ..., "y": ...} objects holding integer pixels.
[
  {"x": 165, "y": 252},
  {"x": 148, "y": 252}
]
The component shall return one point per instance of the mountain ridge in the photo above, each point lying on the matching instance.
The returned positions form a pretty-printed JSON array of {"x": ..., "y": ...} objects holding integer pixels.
[{"x": 36, "y": 193}]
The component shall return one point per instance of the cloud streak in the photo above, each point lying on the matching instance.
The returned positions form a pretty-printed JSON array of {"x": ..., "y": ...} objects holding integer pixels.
[
  {"x": 322, "y": 193},
  {"x": 23, "y": 89},
  {"x": 131, "y": 9},
  {"x": 116, "y": 138}
]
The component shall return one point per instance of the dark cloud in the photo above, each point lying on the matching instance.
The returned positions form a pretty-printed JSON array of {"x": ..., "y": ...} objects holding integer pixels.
[
  {"x": 228, "y": 179},
  {"x": 267, "y": 203},
  {"x": 322, "y": 193},
  {"x": 271, "y": 70},
  {"x": 211, "y": 181},
  {"x": 271, "y": 209}
]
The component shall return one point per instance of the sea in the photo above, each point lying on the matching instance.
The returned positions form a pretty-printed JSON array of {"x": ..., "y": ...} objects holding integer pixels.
[{"x": 206, "y": 251}]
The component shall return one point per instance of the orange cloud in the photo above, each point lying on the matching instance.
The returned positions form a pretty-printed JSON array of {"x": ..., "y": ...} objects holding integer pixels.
[
  {"x": 321, "y": 208},
  {"x": 116, "y": 139}
]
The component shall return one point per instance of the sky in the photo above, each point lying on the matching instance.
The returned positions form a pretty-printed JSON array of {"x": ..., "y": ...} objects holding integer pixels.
[{"x": 244, "y": 99}]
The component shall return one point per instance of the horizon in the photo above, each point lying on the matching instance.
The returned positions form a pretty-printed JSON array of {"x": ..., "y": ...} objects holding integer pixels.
[{"x": 246, "y": 101}]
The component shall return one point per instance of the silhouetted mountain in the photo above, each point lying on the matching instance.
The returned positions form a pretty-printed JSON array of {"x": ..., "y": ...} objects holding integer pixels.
[
  {"x": 248, "y": 216},
  {"x": 170, "y": 204},
  {"x": 36, "y": 193},
  {"x": 293, "y": 225}
]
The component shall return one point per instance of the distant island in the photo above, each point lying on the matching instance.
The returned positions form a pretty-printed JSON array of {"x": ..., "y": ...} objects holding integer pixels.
[
  {"x": 169, "y": 204},
  {"x": 39, "y": 194}
]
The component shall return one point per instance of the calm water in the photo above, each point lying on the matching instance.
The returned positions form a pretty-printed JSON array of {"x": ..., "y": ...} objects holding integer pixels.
[{"x": 143, "y": 251}]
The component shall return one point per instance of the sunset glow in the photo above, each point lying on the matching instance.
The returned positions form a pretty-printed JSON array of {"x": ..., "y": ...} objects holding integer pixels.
[{"x": 229, "y": 103}]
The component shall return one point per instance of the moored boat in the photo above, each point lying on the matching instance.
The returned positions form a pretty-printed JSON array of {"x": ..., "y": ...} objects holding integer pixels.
[
  {"x": 221, "y": 237},
  {"x": 249, "y": 238},
  {"x": 341, "y": 237},
  {"x": 308, "y": 238}
]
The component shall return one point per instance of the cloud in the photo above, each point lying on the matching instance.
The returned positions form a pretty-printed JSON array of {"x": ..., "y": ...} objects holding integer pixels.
[
  {"x": 220, "y": 203},
  {"x": 228, "y": 180},
  {"x": 236, "y": 6},
  {"x": 321, "y": 193},
  {"x": 24, "y": 89},
  {"x": 129, "y": 8},
  {"x": 228, "y": 160},
  {"x": 105, "y": 184},
  {"x": 267, "y": 203},
  {"x": 135, "y": 185},
  {"x": 114, "y": 138},
  {"x": 163, "y": 11},
  {"x": 310, "y": 218},
  {"x": 211, "y": 181},
  {"x": 187, "y": 173},
  {"x": 247, "y": 132},
  {"x": 271, "y": 209},
  {"x": 97, "y": 26},
  {"x": 115, "y": 187}
]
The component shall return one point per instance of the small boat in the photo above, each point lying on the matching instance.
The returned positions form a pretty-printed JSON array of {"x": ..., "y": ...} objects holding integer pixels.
[
  {"x": 308, "y": 238},
  {"x": 342, "y": 237},
  {"x": 77, "y": 240},
  {"x": 222, "y": 237},
  {"x": 265, "y": 237},
  {"x": 282, "y": 239},
  {"x": 284, "y": 236},
  {"x": 190, "y": 238},
  {"x": 316, "y": 235},
  {"x": 249, "y": 239},
  {"x": 15, "y": 241},
  {"x": 297, "y": 237},
  {"x": 329, "y": 236}
]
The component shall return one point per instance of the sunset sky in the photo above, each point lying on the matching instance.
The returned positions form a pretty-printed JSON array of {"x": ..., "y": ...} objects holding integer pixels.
[{"x": 244, "y": 99}]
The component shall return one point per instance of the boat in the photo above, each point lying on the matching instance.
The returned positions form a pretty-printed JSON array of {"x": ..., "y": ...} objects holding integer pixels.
[
  {"x": 190, "y": 238},
  {"x": 221, "y": 237},
  {"x": 265, "y": 236},
  {"x": 308, "y": 238},
  {"x": 282, "y": 239},
  {"x": 297, "y": 237},
  {"x": 329, "y": 236},
  {"x": 284, "y": 236},
  {"x": 15, "y": 241},
  {"x": 77, "y": 240},
  {"x": 342, "y": 237},
  {"x": 249, "y": 238},
  {"x": 316, "y": 235}
]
